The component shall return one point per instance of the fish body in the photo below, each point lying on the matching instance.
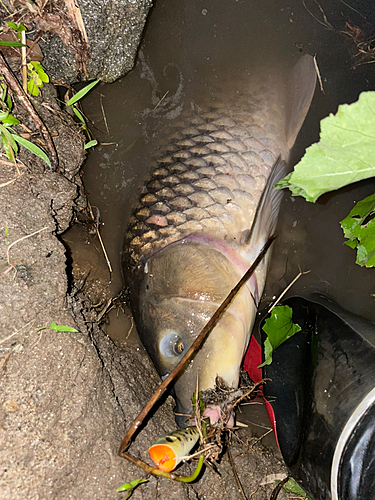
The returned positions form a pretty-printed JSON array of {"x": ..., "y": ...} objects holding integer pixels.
[
  {"x": 205, "y": 213},
  {"x": 170, "y": 450}
]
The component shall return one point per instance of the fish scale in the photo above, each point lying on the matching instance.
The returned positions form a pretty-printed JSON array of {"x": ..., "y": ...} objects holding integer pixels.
[{"x": 209, "y": 176}]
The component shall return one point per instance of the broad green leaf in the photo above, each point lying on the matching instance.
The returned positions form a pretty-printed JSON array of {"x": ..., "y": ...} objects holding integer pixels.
[
  {"x": 90, "y": 144},
  {"x": 131, "y": 485},
  {"x": 279, "y": 327},
  {"x": 344, "y": 154},
  {"x": 58, "y": 328},
  {"x": 33, "y": 148},
  {"x": 81, "y": 93},
  {"x": 292, "y": 488},
  {"x": 11, "y": 43},
  {"x": 359, "y": 228}
]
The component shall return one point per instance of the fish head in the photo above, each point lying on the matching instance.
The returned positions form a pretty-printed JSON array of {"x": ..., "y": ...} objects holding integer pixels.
[{"x": 181, "y": 290}]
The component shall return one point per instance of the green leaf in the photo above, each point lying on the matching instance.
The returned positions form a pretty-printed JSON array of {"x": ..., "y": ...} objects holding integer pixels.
[
  {"x": 344, "y": 154},
  {"x": 11, "y": 43},
  {"x": 291, "y": 487},
  {"x": 79, "y": 116},
  {"x": 7, "y": 148},
  {"x": 18, "y": 28},
  {"x": 12, "y": 25},
  {"x": 81, "y": 93},
  {"x": 32, "y": 88},
  {"x": 360, "y": 231},
  {"x": 10, "y": 138},
  {"x": 33, "y": 148},
  {"x": 58, "y": 328},
  {"x": 10, "y": 120},
  {"x": 279, "y": 327},
  {"x": 90, "y": 144},
  {"x": 131, "y": 485},
  {"x": 39, "y": 70}
]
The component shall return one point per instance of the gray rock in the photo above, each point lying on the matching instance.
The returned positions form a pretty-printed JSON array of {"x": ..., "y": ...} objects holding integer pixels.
[{"x": 114, "y": 29}]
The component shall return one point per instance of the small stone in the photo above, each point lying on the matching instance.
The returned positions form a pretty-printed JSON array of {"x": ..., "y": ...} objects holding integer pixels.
[{"x": 10, "y": 406}]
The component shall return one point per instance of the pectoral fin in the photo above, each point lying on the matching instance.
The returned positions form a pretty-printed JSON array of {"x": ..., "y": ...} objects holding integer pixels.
[{"x": 268, "y": 209}]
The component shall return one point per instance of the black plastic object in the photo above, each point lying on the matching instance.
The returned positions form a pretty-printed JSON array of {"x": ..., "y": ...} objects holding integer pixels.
[{"x": 323, "y": 397}]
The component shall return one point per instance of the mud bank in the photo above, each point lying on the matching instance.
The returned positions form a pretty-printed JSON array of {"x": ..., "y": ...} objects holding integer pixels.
[{"x": 66, "y": 399}]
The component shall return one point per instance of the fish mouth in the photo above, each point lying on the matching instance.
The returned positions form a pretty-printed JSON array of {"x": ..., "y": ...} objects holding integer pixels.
[
  {"x": 216, "y": 413},
  {"x": 217, "y": 416}
]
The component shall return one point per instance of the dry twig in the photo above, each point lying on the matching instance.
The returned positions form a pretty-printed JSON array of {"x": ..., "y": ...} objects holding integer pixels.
[
  {"x": 138, "y": 421},
  {"x": 23, "y": 61},
  {"x": 318, "y": 75},
  {"x": 286, "y": 289},
  {"x": 103, "y": 113},
  {"x": 15, "y": 333},
  {"x": 278, "y": 488},
  {"x": 100, "y": 240},
  {"x": 237, "y": 479},
  {"x": 23, "y": 238}
]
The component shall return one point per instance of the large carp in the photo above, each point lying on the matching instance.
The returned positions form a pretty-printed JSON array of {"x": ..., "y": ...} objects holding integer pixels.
[{"x": 203, "y": 217}]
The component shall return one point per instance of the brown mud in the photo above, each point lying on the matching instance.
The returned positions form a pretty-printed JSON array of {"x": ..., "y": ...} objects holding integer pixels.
[{"x": 66, "y": 399}]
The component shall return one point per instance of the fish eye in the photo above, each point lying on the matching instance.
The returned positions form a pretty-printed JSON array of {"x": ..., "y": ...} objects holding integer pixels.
[{"x": 172, "y": 345}]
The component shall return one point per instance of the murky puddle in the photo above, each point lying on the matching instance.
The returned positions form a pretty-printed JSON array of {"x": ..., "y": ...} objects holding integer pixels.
[{"x": 185, "y": 47}]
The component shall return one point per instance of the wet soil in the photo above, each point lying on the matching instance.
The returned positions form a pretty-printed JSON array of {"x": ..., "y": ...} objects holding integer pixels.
[{"x": 66, "y": 398}]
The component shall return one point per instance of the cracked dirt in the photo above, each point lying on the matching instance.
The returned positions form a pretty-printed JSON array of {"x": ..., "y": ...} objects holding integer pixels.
[{"x": 67, "y": 398}]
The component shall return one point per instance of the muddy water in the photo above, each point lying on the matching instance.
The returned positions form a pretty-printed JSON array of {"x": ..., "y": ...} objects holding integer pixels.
[{"x": 187, "y": 47}]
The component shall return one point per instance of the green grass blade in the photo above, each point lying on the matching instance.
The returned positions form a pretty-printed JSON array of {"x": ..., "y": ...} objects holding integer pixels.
[
  {"x": 79, "y": 116},
  {"x": 11, "y": 44},
  {"x": 10, "y": 137},
  {"x": 7, "y": 148},
  {"x": 33, "y": 148},
  {"x": 82, "y": 93}
]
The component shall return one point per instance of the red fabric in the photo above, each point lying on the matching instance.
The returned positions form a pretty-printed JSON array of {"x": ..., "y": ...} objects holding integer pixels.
[{"x": 253, "y": 358}]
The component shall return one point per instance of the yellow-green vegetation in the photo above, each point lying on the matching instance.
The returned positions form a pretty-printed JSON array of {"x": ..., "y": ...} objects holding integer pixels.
[
  {"x": 359, "y": 228},
  {"x": 58, "y": 328},
  {"x": 72, "y": 103},
  {"x": 37, "y": 78},
  {"x": 8, "y": 137},
  {"x": 130, "y": 487},
  {"x": 344, "y": 154},
  {"x": 292, "y": 488},
  {"x": 279, "y": 327}
]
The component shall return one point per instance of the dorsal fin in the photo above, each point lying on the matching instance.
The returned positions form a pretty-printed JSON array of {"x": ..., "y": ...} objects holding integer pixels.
[{"x": 301, "y": 87}]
